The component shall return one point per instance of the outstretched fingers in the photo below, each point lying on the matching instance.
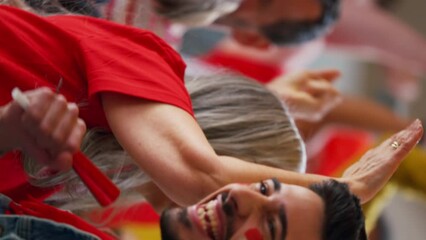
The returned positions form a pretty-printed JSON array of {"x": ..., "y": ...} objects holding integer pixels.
[
  {"x": 400, "y": 144},
  {"x": 367, "y": 176}
]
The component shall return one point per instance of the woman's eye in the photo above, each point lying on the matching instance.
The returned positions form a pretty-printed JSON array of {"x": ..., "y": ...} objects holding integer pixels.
[{"x": 263, "y": 189}]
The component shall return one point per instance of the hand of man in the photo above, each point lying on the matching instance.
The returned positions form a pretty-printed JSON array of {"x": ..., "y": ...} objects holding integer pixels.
[
  {"x": 367, "y": 176},
  {"x": 309, "y": 95},
  {"x": 48, "y": 130}
]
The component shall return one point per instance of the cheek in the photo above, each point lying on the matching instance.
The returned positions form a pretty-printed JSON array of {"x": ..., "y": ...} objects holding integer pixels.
[{"x": 253, "y": 234}]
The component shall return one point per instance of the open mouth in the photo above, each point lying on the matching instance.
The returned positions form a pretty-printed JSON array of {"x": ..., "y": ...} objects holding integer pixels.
[{"x": 210, "y": 218}]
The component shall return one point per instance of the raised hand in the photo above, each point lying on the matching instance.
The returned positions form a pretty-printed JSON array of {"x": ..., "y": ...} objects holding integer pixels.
[
  {"x": 309, "y": 95},
  {"x": 48, "y": 130},
  {"x": 367, "y": 176}
]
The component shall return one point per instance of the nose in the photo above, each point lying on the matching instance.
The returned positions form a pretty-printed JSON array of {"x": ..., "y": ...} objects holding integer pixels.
[{"x": 247, "y": 201}]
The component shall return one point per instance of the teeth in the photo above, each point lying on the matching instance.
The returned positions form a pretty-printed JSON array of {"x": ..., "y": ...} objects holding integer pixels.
[
  {"x": 210, "y": 212},
  {"x": 200, "y": 211},
  {"x": 204, "y": 223},
  {"x": 213, "y": 222},
  {"x": 208, "y": 218}
]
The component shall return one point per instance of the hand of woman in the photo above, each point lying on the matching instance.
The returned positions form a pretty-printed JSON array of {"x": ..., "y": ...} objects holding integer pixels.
[
  {"x": 48, "y": 130},
  {"x": 309, "y": 95},
  {"x": 367, "y": 176}
]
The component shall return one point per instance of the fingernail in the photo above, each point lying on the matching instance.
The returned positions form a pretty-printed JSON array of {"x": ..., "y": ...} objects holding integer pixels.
[
  {"x": 416, "y": 124},
  {"x": 72, "y": 106}
]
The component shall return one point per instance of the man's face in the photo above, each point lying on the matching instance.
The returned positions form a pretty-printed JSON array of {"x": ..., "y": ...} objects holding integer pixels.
[
  {"x": 258, "y": 22},
  {"x": 269, "y": 209},
  {"x": 255, "y": 13}
]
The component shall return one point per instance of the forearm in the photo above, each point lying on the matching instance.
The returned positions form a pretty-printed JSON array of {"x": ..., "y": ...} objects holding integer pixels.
[
  {"x": 251, "y": 173},
  {"x": 166, "y": 143},
  {"x": 367, "y": 114},
  {"x": 238, "y": 170},
  {"x": 177, "y": 156},
  {"x": 359, "y": 113},
  {"x": 229, "y": 170}
]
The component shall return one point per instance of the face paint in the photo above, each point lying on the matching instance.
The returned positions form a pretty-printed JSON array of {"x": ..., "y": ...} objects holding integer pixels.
[{"x": 253, "y": 234}]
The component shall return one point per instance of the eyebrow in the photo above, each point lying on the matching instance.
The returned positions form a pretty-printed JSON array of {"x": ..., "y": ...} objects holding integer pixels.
[
  {"x": 277, "y": 185},
  {"x": 281, "y": 212},
  {"x": 283, "y": 220}
]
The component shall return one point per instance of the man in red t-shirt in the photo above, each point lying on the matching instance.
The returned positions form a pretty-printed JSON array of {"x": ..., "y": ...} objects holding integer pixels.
[{"x": 79, "y": 57}]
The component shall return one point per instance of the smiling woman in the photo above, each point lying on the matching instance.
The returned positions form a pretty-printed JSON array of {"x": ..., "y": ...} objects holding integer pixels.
[{"x": 272, "y": 210}]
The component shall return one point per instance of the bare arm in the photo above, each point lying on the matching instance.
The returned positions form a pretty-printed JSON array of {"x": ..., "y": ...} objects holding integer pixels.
[
  {"x": 167, "y": 143},
  {"x": 169, "y": 146},
  {"x": 357, "y": 112},
  {"x": 368, "y": 114}
]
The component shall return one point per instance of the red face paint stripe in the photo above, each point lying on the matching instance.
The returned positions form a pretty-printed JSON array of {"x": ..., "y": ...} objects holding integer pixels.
[{"x": 253, "y": 234}]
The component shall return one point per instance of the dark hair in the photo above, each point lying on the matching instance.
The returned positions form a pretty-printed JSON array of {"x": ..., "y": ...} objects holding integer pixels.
[
  {"x": 292, "y": 32},
  {"x": 177, "y": 8},
  {"x": 343, "y": 214},
  {"x": 386, "y": 4},
  {"x": 167, "y": 232}
]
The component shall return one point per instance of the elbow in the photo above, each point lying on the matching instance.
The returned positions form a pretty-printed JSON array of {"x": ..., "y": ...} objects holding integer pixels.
[
  {"x": 203, "y": 185},
  {"x": 201, "y": 180},
  {"x": 196, "y": 187}
]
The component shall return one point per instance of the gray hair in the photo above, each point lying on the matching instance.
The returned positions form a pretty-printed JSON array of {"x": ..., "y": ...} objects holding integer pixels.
[
  {"x": 239, "y": 117},
  {"x": 106, "y": 153},
  {"x": 243, "y": 119}
]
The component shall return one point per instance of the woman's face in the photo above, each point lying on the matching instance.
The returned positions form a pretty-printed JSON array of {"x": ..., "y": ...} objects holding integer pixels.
[{"x": 265, "y": 210}]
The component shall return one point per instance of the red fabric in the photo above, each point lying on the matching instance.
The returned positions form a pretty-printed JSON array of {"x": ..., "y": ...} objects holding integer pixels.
[
  {"x": 13, "y": 180},
  {"x": 44, "y": 211},
  {"x": 257, "y": 70},
  {"x": 91, "y": 56},
  {"x": 340, "y": 150}
]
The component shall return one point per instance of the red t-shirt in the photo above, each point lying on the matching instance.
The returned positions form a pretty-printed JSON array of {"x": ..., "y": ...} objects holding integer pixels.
[
  {"x": 91, "y": 56},
  {"x": 255, "y": 69}
]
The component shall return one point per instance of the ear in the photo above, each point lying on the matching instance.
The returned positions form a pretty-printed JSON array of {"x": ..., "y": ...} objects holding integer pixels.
[{"x": 250, "y": 39}]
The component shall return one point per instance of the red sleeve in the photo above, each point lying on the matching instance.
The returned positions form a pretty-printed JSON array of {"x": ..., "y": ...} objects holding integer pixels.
[
  {"x": 90, "y": 56},
  {"x": 130, "y": 61},
  {"x": 137, "y": 71},
  {"x": 259, "y": 71}
]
